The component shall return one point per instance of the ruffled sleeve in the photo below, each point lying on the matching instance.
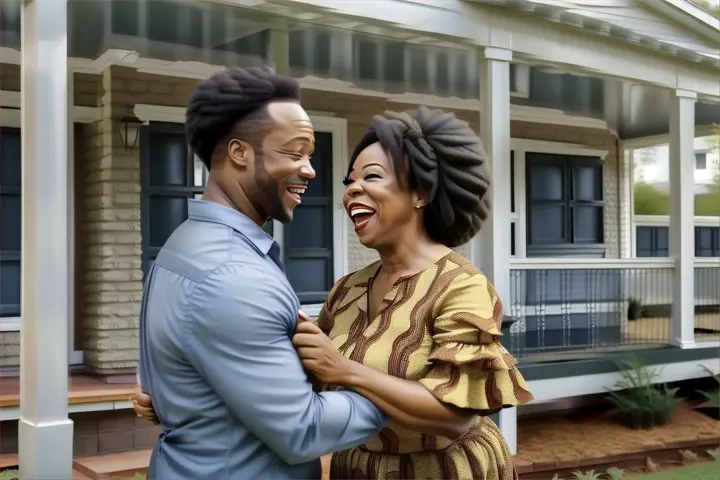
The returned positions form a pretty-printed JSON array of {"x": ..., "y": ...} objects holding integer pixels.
[{"x": 470, "y": 368}]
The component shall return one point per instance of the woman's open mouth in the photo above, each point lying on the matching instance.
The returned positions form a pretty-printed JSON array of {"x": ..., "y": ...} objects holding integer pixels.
[{"x": 360, "y": 215}]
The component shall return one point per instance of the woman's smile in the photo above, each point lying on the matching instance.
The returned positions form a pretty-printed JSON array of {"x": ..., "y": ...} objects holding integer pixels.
[{"x": 360, "y": 214}]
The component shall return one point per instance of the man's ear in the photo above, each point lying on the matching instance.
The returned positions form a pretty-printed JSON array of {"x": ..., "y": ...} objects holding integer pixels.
[{"x": 240, "y": 153}]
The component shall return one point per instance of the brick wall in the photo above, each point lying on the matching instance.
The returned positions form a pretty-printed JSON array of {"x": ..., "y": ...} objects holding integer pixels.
[
  {"x": 95, "y": 433},
  {"x": 112, "y": 276}
]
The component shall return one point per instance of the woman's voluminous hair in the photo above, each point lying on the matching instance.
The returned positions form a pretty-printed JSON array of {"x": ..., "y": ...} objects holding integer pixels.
[
  {"x": 231, "y": 96},
  {"x": 446, "y": 162}
]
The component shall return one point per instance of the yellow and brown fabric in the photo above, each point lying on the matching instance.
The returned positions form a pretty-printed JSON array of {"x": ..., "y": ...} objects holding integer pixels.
[{"x": 440, "y": 327}]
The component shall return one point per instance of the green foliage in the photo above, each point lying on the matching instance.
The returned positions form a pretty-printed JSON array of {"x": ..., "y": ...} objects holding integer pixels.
[
  {"x": 611, "y": 474},
  {"x": 10, "y": 475},
  {"x": 712, "y": 396},
  {"x": 715, "y": 454},
  {"x": 698, "y": 471},
  {"x": 591, "y": 475},
  {"x": 640, "y": 400},
  {"x": 615, "y": 473},
  {"x": 635, "y": 309},
  {"x": 648, "y": 200}
]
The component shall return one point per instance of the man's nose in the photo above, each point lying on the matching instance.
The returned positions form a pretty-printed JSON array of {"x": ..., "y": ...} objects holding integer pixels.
[{"x": 307, "y": 171}]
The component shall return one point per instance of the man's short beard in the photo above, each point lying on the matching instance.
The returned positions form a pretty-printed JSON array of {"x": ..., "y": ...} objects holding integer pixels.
[{"x": 269, "y": 191}]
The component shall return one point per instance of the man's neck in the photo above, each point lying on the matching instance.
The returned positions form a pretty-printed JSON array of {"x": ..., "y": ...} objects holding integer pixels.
[{"x": 239, "y": 201}]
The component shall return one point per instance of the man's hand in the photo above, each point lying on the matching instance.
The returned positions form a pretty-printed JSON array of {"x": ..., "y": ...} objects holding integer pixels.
[
  {"x": 143, "y": 407},
  {"x": 319, "y": 355}
]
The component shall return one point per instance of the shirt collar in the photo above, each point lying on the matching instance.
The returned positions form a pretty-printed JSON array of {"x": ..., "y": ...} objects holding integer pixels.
[{"x": 214, "y": 212}]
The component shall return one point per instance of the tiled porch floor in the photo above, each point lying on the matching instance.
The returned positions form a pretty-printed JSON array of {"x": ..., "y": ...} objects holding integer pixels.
[{"x": 81, "y": 389}]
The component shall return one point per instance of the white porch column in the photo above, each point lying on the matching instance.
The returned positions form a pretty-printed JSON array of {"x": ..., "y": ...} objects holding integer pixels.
[
  {"x": 46, "y": 433},
  {"x": 491, "y": 249},
  {"x": 682, "y": 216}
]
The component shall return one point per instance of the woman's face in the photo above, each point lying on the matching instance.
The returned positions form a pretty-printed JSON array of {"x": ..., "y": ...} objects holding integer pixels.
[{"x": 378, "y": 207}]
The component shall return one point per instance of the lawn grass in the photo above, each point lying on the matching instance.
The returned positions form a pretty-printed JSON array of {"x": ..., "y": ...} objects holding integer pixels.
[
  {"x": 15, "y": 475},
  {"x": 698, "y": 471}
]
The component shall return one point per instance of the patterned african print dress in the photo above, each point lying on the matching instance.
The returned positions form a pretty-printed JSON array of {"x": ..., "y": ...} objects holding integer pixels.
[{"x": 439, "y": 327}]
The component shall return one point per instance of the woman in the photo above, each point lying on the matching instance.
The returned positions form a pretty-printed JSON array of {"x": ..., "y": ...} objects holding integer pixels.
[{"x": 417, "y": 332}]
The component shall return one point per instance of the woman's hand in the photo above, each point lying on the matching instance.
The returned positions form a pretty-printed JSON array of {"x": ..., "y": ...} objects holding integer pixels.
[
  {"x": 319, "y": 355},
  {"x": 143, "y": 407}
]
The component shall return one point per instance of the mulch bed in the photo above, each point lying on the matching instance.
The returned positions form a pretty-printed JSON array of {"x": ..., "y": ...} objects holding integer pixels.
[{"x": 587, "y": 440}]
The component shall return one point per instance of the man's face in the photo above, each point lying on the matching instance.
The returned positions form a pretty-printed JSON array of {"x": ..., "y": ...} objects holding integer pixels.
[{"x": 283, "y": 168}]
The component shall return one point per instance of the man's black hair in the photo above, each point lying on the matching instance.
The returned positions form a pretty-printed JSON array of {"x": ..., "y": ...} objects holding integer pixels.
[{"x": 234, "y": 97}]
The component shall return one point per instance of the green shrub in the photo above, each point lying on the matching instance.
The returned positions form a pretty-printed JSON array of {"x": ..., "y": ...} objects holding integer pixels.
[
  {"x": 712, "y": 397},
  {"x": 640, "y": 400}
]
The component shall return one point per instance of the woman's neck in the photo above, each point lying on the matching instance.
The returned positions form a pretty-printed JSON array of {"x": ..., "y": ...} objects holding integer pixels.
[{"x": 410, "y": 256}]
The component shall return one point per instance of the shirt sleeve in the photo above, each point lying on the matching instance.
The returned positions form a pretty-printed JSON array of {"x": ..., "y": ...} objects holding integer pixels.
[
  {"x": 239, "y": 339},
  {"x": 470, "y": 368}
]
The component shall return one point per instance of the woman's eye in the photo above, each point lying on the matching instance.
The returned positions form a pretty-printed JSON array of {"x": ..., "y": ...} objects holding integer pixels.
[
  {"x": 347, "y": 182},
  {"x": 371, "y": 175}
]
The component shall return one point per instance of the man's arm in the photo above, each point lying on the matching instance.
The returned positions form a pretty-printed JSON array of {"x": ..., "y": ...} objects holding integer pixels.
[{"x": 238, "y": 336}]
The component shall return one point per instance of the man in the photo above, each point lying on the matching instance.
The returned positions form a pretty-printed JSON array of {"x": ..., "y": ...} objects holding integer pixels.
[{"x": 218, "y": 313}]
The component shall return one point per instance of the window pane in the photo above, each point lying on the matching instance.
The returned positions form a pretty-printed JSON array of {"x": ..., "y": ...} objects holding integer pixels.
[
  {"x": 10, "y": 157},
  {"x": 585, "y": 183},
  {"x": 588, "y": 223},
  {"x": 269, "y": 227},
  {"x": 311, "y": 227},
  {"x": 168, "y": 158},
  {"x": 200, "y": 173},
  {"x": 662, "y": 239},
  {"x": 10, "y": 222},
  {"x": 308, "y": 274},
  {"x": 512, "y": 239},
  {"x": 547, "y": 224},
  {"x": 166, "y": 214},
  {"x": 9, "y": 288},
  {"x": 546, "y": 182},
  {"x": 321, "y": 185},
  {"x": 512, "y": 181},
  {"x": 701, "y": 161}
]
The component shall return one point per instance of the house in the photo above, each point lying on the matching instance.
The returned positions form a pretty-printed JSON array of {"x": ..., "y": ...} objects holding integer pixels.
[{"x": 562, "y": 94}]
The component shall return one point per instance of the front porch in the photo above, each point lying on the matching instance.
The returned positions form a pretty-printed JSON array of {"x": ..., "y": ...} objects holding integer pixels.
[{"x": 557, "y": 112}]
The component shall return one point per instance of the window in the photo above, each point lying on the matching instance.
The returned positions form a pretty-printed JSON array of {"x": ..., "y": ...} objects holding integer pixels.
[
  {"x": 171, "y": 174},
  {"x": 308, "y": 239},
  {"x": 701, "y": 161},
  {"x": 10, "y": 221},
  {"x": 652, "y": 242},
  {"x": 707, "y": 241},
  {"x": 564, "y": 201}
]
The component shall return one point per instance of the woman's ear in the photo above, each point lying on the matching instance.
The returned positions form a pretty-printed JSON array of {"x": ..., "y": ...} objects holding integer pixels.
[{"x": 420, "y": 200}]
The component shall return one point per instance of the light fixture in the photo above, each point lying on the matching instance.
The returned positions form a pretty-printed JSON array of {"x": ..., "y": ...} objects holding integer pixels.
[{"x": 130, "y": 131}]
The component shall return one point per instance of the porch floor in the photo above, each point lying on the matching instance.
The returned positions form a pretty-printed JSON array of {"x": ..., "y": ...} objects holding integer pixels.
[
  {"x": 657, "y": 329},
  {"x": 82, "y": 388}
]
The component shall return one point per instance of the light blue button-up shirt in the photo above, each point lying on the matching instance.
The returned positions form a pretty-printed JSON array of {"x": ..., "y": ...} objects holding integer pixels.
[{"x": 216, "y": 356}]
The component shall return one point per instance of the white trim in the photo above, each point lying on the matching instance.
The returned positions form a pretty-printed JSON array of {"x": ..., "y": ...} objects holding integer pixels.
[
  {"x": 570, "y": 263},
  {"x": 322, "y": 123},
  {"x": 562, "y": 387},
  {"x": 10, "y": 111},
  {"x": 664, "y": 138},
  {"x": 559, "y": 148},
  {"x": 13, "y": 413},
  {"x": 10, "y": 324}
]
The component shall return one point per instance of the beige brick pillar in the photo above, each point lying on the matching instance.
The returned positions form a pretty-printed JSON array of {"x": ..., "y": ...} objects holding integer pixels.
[{"x": 113, "y": 275}]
